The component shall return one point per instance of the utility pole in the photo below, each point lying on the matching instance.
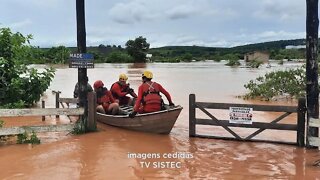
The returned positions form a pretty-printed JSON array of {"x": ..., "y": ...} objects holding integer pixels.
[
  {"x": 312, "y": 26},
  {"x": 82, "y": 48}
]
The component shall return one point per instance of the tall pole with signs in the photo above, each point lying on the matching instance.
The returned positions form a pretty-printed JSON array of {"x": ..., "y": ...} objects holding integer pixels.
[
  {"x": 312, "y": 26},
  {"x": 82, "y": 48}
]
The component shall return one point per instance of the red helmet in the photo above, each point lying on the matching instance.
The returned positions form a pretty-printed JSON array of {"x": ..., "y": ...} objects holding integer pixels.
[{"x": 98, "y": 84}]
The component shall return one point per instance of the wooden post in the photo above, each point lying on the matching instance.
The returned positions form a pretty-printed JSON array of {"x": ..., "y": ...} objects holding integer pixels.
[
  {"x": 57, "y": 101},
  {"x": 312, "y": 89},
  {"x": 301, "y": 124},
  {"x": 92, "y": 101},
  {"x": 82, "y": 48},
  {"x": 43, "y": 105},
  {"x": 192, "y": 115}
]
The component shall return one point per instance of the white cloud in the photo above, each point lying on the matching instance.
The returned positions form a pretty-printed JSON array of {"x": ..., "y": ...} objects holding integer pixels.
[
  {"x": 40, "y": 3},
  {"x": 129, "y": 13},
  {"x": 137, "y": 11},
  {"x": 284, "y": 10},
  {"x": 181, "y": 12},
  {"x": 18, "y": 25},
  {"x": 269, "y": 36},
  {"x": 284, "y": 34},
  {"x": 162, "y": 22}
]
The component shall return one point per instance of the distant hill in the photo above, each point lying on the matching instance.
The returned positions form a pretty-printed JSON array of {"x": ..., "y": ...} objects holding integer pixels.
[
  {"x": 276, "y": 49},
  {"x": 187, "y": 53},
  {"x": 272, "y": 45},
  {"x": 281, "y": 44},
  {"x": 197, "y": 50},
  {"x": 172, "y": 54}
]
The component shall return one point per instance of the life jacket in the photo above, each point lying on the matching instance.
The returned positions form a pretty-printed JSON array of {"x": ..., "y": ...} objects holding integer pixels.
[
  {"x": 123, "y": 88},
  {"x": 104, "y": 97},
  {"x": 151, "y": 93}
]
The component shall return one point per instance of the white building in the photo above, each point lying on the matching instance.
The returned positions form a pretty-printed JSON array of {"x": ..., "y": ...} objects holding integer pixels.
[{"x": 296, "y": 47}]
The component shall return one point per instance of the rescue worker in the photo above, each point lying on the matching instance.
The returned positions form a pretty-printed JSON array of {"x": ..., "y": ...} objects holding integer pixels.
[
  {"x": 76, "y": 88},
  {"x": 105, "y": 102},
  {"x": 149, "y": 98},
  {"x": 120, "y": 89}
]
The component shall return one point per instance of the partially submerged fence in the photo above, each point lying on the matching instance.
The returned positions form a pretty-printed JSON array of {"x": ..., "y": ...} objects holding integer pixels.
[
  {"x": 92, "y": 99},
  {"x": 47, "y": 112},
  {"x": 38, "y": 112},
  {"x": 261, "y": 126}
]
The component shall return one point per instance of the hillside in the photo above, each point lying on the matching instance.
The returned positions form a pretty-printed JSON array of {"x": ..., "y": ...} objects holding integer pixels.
[
  {"x": 272, "y": 45},
  {"x": 113, "y": 53},
  {"x": 276, "y": 48},
  {"x": 281, "y": 44}
]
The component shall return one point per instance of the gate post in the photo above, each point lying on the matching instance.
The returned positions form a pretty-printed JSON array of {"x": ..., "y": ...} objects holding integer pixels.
[
  {"x": 301, "y": 124},
  {"x": 43, "y": 105},
  {"x": 192, "y": 115},
  {"x": 91, "y": 123},
  {"x": 57, "y": 93}
]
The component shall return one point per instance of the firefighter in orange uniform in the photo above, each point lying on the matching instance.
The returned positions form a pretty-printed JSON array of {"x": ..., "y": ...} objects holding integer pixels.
[
  {"x": 105, "y": 102},
  {"x": 120, "y": 89},
  {"x": 149, "y": 98}
]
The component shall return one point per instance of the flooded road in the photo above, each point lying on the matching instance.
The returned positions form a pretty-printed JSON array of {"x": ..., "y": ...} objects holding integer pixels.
[{"x": 113, "y": 153}]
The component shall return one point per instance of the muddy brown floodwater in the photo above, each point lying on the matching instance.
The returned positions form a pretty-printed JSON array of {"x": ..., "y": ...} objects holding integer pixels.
[{"x": 113, "y": 153}]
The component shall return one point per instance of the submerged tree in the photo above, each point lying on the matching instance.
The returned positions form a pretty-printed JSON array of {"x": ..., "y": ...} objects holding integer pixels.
[
  {"x": 138, "y": 49},
  {"x": 58, "y": 54},
  {"x": 288, "y": 82},
  {"x": 19, "y": 85}
]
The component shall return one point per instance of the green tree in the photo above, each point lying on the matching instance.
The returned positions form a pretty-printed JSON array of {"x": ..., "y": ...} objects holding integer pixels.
[
  {"x": 291, "y": 82},
  {"x": 58, "y": 54},
  {"x": 233, "y": 62},
  {"x": 187, "y": 57},
  {"x": 19, "y": 85},
  {"x": 138, "y": 49},
  {"x": 254, "y": 63},
  {"x": 37, "y": 56},
  {"x": 119, "y": 57}
]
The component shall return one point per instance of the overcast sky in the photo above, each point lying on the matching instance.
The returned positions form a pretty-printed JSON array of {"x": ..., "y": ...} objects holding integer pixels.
[{"x": 213, "y": 23}]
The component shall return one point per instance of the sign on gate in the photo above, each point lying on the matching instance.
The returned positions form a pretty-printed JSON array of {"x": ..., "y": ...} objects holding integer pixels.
[
  {"x": 81, "y": 60},
  {"x": 240, "y": 115}
]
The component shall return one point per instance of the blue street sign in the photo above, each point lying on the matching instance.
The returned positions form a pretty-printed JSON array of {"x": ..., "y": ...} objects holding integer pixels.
[
  {"x": 81, "y": 56},
  {"x": 81, "y": 60}
]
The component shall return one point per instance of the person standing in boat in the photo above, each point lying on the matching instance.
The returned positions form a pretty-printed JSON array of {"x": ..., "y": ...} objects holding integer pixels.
[
  {"x": 149, "y": 98},
  {"x": 105, "y": 102},
  {"x": 121, "y": 88}
]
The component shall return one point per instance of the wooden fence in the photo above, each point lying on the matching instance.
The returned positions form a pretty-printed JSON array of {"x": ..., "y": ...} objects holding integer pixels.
[
  {"x": 314, "y": 141},
  {"x": 213, "y": 121},
  {"x": 50, "y": 111}
]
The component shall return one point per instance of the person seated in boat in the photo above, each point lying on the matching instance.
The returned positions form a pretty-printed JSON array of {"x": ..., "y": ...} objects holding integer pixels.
[
  {"x": 121, "y": 88},
  {"x": 76, "y": 88},
  {"x": 105, "y": 102},
  {"x": 149, "y": 98}
]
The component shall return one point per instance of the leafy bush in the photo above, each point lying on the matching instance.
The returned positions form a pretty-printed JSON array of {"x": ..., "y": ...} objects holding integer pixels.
[
  {"x": 165, "y": 60},
  {"x": 58, "y": 54},
  {"x": 119, "y": 57},
  {"x": 25, "y": 138},
  {"x": 233, "y": 62},
  {"x": 187, "y": 57},
  {"x": 254, "y": 63},
  {"x": 1, "y": 123},
  {"x": 20, "y": 86},
  {"x": 288, "y": 82},
  {"x": 22, "y": 138}
]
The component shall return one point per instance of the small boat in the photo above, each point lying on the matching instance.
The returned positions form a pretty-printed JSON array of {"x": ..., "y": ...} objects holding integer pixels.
[{"x": 160, "y": 122}]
